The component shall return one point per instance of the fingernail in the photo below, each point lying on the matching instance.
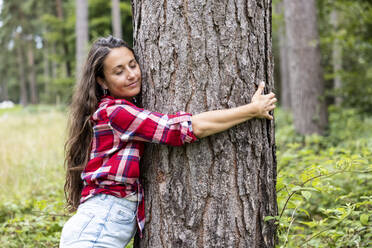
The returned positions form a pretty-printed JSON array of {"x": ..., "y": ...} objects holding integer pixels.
[{"x": 262, "y": 83}]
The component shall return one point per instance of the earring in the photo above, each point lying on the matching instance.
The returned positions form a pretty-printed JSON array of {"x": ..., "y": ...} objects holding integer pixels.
[{"x": 105, "y": 91}]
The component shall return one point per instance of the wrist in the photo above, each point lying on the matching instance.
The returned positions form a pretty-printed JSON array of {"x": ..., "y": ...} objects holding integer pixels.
[{"x": 251, "y": 110}]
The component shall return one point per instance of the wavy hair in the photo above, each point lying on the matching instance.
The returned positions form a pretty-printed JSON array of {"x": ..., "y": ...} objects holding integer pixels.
[{"x": 87, "y": 94}]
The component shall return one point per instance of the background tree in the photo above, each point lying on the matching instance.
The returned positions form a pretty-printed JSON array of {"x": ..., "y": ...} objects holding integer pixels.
[
  {"x": 336, "y": 56},
  {"x": 21, "y": 69},
  {"x": 32, "y": 70},
  {"x": 306, "y": 75},
  {"x": 116, "y": 20},
  {"x": 197, "y": 57},
  {"x": 60, "y": 15},
  {"x": 81, "y": 33},
  {"x": 285, "y": 89}
]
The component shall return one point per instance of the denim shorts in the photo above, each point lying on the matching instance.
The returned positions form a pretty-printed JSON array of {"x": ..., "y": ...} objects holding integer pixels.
[{"x": 101, "y": 221}]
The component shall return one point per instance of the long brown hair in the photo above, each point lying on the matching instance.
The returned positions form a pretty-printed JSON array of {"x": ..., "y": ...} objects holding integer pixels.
[{"x": 84, "y": 103}]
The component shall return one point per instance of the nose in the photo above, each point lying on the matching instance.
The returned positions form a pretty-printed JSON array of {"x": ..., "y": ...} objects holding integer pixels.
[{"x": 131, "y": 74}]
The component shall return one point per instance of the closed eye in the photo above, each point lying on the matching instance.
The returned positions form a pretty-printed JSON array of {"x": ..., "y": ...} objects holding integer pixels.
[{"x": 133, "y": 65}]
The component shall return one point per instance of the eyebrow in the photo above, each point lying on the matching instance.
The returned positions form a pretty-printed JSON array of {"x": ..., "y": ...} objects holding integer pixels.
[{"x": 121, "y": 66}]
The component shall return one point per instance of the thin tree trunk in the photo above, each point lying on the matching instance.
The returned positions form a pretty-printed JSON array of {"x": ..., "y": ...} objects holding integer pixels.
[
  {"x": 336, "y": 59},
  {"x": 22, "y": 74},
  {"x": 54, "y": 62},
  {"x": 64, "y": 43},
  {"x": 4, "y": 90},
  {"x": 116, "y": 19},
  {"x": 285, "y": 90},
  {"x": 306, "y": 76},
  {"x": 198, "y": 56},
  {"x": 47, "y": 77},
  {"x": 81, "y": 34},
  {"x": 31, "y": 72}
]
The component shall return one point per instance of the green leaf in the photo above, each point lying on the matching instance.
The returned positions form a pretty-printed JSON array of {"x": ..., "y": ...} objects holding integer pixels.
[
  {"x": 267, "y": 218},
  {"x": 364, "y": 219},
  {"x": 306, "y": 194}
]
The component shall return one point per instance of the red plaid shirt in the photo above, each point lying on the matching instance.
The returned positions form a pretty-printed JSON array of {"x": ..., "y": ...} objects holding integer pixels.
[{"x": 120, "y": 130}]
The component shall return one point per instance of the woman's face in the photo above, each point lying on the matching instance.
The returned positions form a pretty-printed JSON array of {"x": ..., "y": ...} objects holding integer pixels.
[{"x": 122, "y": 74}]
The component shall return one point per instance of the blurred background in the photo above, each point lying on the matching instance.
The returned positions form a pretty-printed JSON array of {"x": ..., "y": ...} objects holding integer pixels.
[{"x": 322, "y": 49}]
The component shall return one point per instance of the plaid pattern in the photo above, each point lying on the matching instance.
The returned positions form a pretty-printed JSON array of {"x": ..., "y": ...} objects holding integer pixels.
[{"x": 120, "y": 130}]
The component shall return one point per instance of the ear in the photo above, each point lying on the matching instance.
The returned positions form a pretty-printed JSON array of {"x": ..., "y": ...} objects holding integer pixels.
[{"x": 101, "y": 82}]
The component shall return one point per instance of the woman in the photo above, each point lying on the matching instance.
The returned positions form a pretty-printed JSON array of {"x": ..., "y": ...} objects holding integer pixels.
[{"x": 107, "y": 132}]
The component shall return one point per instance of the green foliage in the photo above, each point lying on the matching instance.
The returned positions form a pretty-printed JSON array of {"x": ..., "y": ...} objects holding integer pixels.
[
  {"x": 324, "y": 185},
  {"x": 32, "y": 222},
  {"x": 354, "y": 34}
]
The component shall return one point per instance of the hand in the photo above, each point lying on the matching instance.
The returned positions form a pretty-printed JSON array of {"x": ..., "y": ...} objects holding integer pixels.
[{"x": 263, "y": 103}]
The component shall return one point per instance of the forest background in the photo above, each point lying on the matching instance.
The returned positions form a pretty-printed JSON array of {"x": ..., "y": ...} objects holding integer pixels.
[{"x": 324, "y": 185}]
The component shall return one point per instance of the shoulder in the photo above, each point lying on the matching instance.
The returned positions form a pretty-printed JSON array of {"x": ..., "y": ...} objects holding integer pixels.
[{"x": 108, "y": 105}]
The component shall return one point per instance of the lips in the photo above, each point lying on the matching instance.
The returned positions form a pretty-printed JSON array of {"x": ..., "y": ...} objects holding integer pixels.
[{"x": 132, "y": 84}]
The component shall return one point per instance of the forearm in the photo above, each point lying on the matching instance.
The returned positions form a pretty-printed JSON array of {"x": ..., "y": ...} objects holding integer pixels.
[{"x": 211, "y": 122}]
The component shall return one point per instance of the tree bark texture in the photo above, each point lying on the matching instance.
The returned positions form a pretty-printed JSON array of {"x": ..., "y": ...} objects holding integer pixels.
[
  {"x": 116, "y": 19},
  {"x": 81, "y": 34},
  {"x": 198, "y": 56},
  {"x": 306, "y": 76},
  {"x": 285, "y": 90}
]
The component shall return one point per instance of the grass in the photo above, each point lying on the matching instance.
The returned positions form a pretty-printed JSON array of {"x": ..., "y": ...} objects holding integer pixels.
[
  {"x": 31, "y": 151},
  {"x": 31, "y": 169},
  {"x": 32, "y": 201}
]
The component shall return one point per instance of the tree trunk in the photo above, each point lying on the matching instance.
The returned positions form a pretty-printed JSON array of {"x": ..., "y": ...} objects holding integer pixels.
[
  {"x": 306, "y": 76},
  {"x": 4, "y": 90},
  {"x": 31, "y": 72},
  {"x": 81, "y": 34},
  {"x": 54, "y": 62},
  {"x": 336, "y": 59},
  {"x": 285, "y": 90},
  {"x": 116, "y": 19},
  {"x": 47, "y": 77},
  {"x": 22, "y": 74},
  {"x": 64, "y": 43},
  {"x": 197, "y": 56}
]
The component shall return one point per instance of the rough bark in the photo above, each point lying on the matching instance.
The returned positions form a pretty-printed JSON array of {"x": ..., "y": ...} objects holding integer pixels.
[
  {"x": 116, "y": 20},
  {"x": 336, "y": 58},
  {"x": 306, "y": 76},
  {"x": 81, "y": 34},
  {"x": 198, "y": 56},
  {"x": 32, "y": 72},
  {"x": 285, "y": 90}
]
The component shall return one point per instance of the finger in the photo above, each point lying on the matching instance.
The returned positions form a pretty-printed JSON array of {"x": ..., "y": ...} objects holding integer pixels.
[
  {"x": 271, "y": 95},
  {"x": 260, "y": 88},
  {"x": 274, "y": 100},
  {"x": 270, "y": 117}
]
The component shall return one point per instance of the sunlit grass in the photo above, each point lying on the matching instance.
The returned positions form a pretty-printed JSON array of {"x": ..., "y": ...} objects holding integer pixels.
[
  {"x": 31, "y": 152},
  {"x": 32, "y": 173}
]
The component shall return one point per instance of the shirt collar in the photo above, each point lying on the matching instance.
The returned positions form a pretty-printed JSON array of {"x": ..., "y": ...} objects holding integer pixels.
[{"x": 106, "y": 99}]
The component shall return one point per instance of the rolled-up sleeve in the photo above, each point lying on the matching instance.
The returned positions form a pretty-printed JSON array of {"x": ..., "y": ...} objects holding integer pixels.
[{"x": 133, "y": 123}]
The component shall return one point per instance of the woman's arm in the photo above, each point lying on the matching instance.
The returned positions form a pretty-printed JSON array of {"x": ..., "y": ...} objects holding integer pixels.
[{"x": 211, "y": 122}]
